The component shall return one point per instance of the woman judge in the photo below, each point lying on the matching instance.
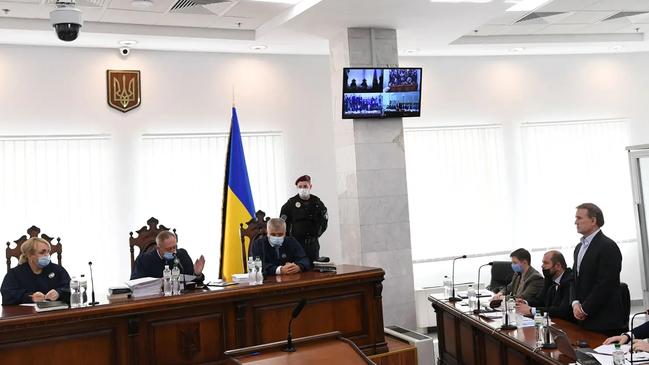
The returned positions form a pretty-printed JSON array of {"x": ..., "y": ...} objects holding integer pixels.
[{"x": 36, "y": 278}]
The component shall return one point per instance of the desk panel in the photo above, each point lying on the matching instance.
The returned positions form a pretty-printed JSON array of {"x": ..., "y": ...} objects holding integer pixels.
[{"x": 196, "y": 328}]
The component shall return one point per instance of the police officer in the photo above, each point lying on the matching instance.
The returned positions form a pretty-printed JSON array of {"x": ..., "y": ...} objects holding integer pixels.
[{"x": 306, "y": 217}]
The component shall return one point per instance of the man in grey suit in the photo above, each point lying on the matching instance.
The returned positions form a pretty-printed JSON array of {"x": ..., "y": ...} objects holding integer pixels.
[{"x": 526, "y": 283}]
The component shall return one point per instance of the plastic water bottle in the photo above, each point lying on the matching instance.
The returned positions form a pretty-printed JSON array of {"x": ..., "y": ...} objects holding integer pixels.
[
  {"x": 546, "y": 328},
  {"x": 83, "y": 284},
  {"x": 447, "y": 287},
  {"x": 473, "y": 298},
  {"x": 538, "y": 324},
  {"x": 75, "y": 293},
  {"x": 252, "y": 271},
  {"x": 260, "y": 271},
  {"x": 511, "y": 309},
  {"x": 618, "y": 355},
  {"x": 166, "y": 281},
  {"x": 175, "y": 281}
]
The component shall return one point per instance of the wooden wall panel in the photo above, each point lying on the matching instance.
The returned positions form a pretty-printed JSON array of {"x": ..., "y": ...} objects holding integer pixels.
[
  {"x": 344, "y": 313},
  {"x": 96, "y": 347},
  {"x": 515, "y": 358},
  {"x": 467, "y": 344},
  {"x": 450, "y": 335},
  {"x": 492, "y": 351},
  {"x": 184, "y": 340}
]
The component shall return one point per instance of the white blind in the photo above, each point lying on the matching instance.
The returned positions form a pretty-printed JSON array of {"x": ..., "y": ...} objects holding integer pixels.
[
  {"x": 181, "y": 184},
  {"x": 572, "y": 162},
  {"x": 457, "y": 187},
  {"x": 63, "y": 185}
]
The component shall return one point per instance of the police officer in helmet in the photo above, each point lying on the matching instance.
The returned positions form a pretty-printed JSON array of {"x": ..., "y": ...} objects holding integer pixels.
[{"x": 306, "y": 217}]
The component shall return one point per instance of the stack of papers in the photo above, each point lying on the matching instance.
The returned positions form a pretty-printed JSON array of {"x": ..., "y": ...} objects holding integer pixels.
[
  {"x": 145, "y": 287},
  {"x": 240, "y": 278},
  {"x": 603, "y": 355}
]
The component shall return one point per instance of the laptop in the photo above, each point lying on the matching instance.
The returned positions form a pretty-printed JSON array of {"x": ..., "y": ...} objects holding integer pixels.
[{"x": 582, "y": 356}]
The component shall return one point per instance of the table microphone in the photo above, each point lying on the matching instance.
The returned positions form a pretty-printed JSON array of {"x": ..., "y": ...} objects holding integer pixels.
[
  {"x": 177, "y": 262},
  {"x": 477, "y": 310},
  {"x": 92, "y": 284},
  {"x": 453, "y": 298},
  {"x": 631, "y": 337},
  {"x": 289, "y": 340}
]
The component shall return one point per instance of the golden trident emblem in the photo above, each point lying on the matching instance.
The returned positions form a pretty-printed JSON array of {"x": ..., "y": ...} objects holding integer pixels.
[{"x": 123, "y": 89}]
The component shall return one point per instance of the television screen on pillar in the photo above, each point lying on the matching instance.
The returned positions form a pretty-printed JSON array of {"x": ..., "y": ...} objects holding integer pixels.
[{"x": 381, "y": 92}]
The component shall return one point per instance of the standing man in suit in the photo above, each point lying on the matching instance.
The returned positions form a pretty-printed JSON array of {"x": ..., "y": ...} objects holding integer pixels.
[
  {"x": 555, "y": 296},
  {"x": 596, "y": 295},
  {"x": 526, "y": 282}
]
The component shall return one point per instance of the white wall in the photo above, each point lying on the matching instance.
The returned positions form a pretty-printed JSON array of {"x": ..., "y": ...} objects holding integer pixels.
[
  {"x": 48, "y": 90},
  {"x": 515, "y": 89}
]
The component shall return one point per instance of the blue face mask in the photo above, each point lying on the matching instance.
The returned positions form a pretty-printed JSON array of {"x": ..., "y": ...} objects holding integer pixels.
[
  {"x": 276, "y": 241},
  {"x": 43, "y": 261},
  {"x": 517, "y": 268},
  {"x": 168, "y": 256}
]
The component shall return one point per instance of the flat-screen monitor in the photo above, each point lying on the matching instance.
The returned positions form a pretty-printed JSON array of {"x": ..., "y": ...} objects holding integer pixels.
[{"x": 381, "y": 92}]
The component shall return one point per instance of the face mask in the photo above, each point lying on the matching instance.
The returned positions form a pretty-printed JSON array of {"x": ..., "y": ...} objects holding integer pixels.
[
  {"x": 303, "y": 193},
  {"x": 276, "y": 241},
  {"x": 43, "y": 261},
  {"x": 517, "y": 268},
  {"x": 168, "y": 256},
  {"x": 547, "y": 273}
]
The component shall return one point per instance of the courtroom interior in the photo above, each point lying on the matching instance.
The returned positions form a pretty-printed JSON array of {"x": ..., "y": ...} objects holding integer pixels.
[{"x": 390, "y": 182}]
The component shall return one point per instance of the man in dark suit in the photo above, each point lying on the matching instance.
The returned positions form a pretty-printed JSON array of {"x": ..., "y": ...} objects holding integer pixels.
[
  {"x": 596, "y": 296},
  {"x": 280, "y": 254},
  {"x": 152, "y": 263},
  {"x": 554, "y": 299}
]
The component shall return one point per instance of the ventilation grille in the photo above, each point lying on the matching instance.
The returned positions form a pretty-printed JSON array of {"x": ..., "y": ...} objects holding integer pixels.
[{"x": 182, "y": 5}]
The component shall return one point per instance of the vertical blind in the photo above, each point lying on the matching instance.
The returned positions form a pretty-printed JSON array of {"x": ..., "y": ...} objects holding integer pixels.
[
  {"x": 63, "y": 185},
  {"x": 457, "y": 187},
  {"x": 68, "y": 186}
]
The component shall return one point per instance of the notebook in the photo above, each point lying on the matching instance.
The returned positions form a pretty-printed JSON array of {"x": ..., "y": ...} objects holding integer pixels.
[{"x": 50, "y": 306}]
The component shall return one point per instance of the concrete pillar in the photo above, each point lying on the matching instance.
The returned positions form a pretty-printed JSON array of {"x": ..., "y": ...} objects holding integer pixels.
[{"x": 371, "y": 177}]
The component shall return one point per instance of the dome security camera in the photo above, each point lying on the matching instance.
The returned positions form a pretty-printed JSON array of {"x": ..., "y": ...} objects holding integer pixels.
[
  {"x": 124, "y": 51},
  {"x": 66, "y": 20}
]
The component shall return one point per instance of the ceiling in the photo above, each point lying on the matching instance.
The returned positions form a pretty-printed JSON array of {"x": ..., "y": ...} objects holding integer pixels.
[{"x": 425, "y": 27}]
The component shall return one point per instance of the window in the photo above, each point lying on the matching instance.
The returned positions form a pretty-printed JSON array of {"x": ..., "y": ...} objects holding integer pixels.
[
  {"x": 458, "y": 190},
  {"x": 63, "y": 185}
]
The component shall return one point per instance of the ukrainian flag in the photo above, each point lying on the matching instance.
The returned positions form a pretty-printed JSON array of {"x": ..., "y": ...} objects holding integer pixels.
[{"x": 238, "y": 206}]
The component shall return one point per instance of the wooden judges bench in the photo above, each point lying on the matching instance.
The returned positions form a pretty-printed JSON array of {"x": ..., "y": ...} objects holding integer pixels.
[
  {"x": 197, "y": 327},
  {"x": 475, "y": 340}
]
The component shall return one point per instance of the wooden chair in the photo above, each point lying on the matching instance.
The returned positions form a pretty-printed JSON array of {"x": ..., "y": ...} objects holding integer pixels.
[
  {"x": 33, "y": 231},
  {"x": 145, "y": 239},
  {"x": 254, "y": 229}
]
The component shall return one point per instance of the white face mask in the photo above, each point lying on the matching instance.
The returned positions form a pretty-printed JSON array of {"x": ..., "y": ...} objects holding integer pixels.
[{"x": 303, "y": 193}]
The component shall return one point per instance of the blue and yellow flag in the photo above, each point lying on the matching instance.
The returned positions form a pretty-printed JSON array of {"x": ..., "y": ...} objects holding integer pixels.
[{"x": 238, "y": 206}]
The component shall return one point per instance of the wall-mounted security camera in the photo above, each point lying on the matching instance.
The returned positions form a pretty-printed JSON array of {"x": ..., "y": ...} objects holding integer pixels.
[
  {"x": 66, "y": 20},
  {"x": 124, "y": 51}
]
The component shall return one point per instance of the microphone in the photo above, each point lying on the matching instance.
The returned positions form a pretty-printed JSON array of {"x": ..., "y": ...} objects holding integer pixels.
[
  {"x": 477, "y": 310},
  {"x": 177, "y": 262},
  {"x": 631, "y": 338},
  {"x": 506, "y": 324},
  {"x": 453, "y": 298},
  {"x": 289, "y": 339},
  {"x": 92, "y": 284}
]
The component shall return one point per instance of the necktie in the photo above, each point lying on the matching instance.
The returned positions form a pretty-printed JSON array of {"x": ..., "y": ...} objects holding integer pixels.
[{"x": 582, "y": 252}]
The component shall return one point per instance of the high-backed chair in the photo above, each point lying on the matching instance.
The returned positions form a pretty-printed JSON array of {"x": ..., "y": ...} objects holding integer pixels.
[
  {"x": 254, "y": 228},
  {"x": 501, "y": 275},
  {"x": 626, "y": 301},
  {"x": 145, "y": 239},
  {"x": 33, "y": 231}
]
